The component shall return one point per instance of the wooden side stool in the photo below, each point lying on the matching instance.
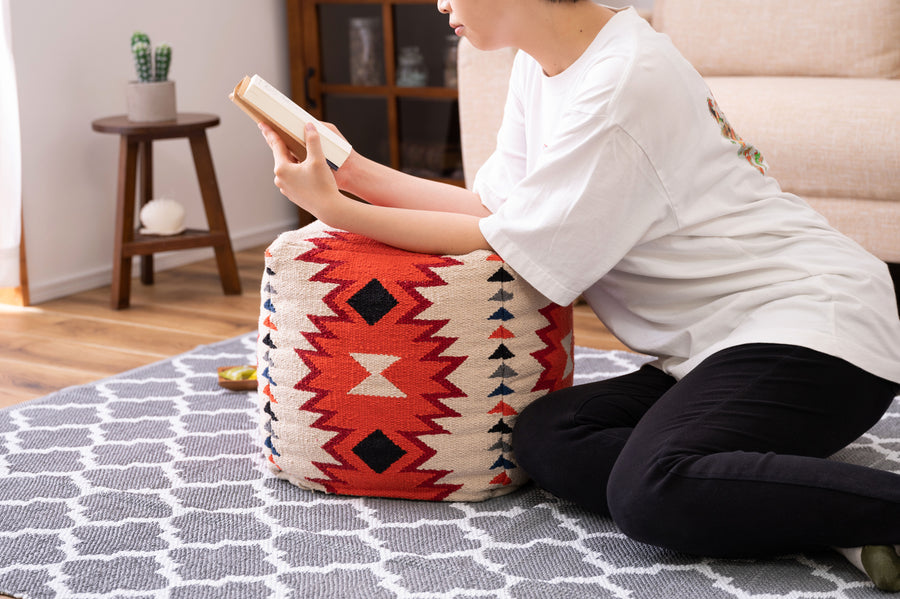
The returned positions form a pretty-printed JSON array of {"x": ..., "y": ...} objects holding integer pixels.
[{"x": 135, "y": 142}]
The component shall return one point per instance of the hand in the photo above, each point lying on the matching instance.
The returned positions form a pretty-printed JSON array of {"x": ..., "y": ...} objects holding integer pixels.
[
  {"x": 310, "y": 184},
  {"x": 343, "y": 175}
]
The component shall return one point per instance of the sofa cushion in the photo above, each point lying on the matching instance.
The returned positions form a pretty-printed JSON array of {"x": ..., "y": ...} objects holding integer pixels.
[
  {"x": 822, "y": 137},
  {"x": 395, "y": 374},
  {"x": 874, "y": 224},
  {"x": 817, "y": 38}
]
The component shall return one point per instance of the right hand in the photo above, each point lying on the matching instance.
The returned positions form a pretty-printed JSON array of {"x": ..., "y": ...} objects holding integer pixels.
[{"x": 342, "y": 176}]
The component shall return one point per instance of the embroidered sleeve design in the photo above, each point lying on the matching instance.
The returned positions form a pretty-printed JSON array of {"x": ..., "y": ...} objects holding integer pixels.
[{"x": 747, "y": 151}]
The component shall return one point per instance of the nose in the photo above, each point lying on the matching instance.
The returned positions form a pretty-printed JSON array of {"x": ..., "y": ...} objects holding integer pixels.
[{"x": 443, "y": 6}]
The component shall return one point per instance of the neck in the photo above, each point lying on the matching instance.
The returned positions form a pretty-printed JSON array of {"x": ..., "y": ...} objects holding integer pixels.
[{"x": 560, "y": 32}]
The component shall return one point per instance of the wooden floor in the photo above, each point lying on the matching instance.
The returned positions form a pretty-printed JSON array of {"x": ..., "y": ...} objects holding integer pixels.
[{"x": 79, "y": 339}]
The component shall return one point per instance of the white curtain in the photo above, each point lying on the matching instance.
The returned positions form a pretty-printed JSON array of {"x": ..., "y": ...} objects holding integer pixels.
[{"x": 10, "y": 158}]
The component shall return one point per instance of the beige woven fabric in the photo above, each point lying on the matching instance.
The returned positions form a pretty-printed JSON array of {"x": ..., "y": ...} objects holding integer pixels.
[
  {"x": 394, "y": 374},
  {"x": 874, "y": 224},
  {"x": 822, "y": 137},
  {"x": 818, "y": 38}
]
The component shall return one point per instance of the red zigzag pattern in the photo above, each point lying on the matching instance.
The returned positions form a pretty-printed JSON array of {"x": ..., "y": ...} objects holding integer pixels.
[{"x": 378, "y": 449}]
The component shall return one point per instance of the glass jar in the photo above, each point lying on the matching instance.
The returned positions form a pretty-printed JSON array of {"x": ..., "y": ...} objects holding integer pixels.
[
  {"x": 411, "y": 69},
  {"x": 366, "y": 54}
]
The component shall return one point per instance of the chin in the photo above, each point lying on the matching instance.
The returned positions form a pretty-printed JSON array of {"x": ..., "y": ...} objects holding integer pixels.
[{"x": 485, "y": 45}]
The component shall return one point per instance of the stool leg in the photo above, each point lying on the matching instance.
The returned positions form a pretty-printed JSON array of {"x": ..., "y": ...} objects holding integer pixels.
[
  {"x": 146, "y": 161},
  {"x": 215, "y": 214},
  {"x": 121, "y": 275}
]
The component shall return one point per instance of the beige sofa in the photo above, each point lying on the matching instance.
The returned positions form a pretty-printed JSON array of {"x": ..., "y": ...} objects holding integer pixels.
[{"x": 814, "y": 84}]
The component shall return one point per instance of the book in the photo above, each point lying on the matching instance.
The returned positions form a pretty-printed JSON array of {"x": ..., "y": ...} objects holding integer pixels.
[{"x": 264, "y": 103}]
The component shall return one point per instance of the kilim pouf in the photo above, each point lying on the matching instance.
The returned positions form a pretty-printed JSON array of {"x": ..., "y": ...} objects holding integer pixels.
[{"x": 394, "y": 374}]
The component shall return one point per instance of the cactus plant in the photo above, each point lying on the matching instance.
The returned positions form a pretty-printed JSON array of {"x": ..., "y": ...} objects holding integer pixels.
[
  {"x": 142, "y": 61},
  {"x": 163, "y": 58},
  {"x": 139, "y": 36},
  {"x": 144, "y": 58}
]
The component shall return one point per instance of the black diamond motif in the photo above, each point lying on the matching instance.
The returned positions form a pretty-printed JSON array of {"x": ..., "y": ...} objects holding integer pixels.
[
  {"x": 378, "y": 451},
  {"x": 372, "y": 302}
]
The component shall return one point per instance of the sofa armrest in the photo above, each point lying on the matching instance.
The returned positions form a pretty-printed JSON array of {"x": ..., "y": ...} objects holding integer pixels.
[{"x": 839, "y": 38}]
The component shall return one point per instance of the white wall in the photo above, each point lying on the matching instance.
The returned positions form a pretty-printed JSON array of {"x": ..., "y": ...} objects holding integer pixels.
[{"x": 72, "y": 62}]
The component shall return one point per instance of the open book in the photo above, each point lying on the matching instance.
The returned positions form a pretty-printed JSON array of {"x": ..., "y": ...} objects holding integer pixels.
[{"x": 264, "y": 103}]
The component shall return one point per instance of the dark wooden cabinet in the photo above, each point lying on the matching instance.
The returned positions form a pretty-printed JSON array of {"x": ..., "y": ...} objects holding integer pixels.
[{"x": 384, "y": 72}]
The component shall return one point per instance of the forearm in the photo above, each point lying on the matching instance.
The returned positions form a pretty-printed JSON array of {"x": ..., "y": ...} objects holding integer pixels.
[
  {"x": 384, "y": 186},
  {"x": 423, "y": 231},
  {"x": 312, "y": 185}
]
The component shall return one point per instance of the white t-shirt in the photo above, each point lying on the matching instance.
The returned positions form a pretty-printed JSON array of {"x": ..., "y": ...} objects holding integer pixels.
[{"x": 621, "y": 180}]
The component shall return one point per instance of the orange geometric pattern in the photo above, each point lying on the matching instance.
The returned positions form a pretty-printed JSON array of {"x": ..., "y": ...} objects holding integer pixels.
[
  {"x": 393, "y": 374},
  {"x": 419, "y": 372}
]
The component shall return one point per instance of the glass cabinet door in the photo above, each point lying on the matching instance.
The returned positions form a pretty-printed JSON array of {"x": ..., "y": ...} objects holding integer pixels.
[
  {"x": 361, "y": 119},
  {"x": 429, "y": 138},
  {"x": 420, "y": 30},
  {"x": 384, "y": 72},
  {"x": 351, "y": 42}
]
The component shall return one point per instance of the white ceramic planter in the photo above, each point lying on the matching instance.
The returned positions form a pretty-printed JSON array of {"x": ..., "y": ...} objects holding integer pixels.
[{"x": 151, "y": 101}]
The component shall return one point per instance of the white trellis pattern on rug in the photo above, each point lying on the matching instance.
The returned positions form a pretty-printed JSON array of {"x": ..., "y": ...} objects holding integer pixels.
[{"x": 153, "y": 484}]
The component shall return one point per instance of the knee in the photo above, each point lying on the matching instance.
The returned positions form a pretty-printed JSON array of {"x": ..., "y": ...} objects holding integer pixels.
[
  {"x": 533, "y": 435},
  {"x": 642, "y": 506},
  {"x": 652, "y": 505},
  {"x": 629, "y": 496}
]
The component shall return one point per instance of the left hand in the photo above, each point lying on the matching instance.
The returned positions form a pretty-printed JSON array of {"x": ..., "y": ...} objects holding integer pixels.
[{"x": 310, "y": 184}]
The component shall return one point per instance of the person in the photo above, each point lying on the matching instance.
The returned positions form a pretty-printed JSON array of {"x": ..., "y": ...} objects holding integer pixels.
[{"x": 618, "y": 178}]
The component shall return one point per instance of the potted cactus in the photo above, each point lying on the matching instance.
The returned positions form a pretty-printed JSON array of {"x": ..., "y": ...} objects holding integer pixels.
[{"x": 152, "y": 96}]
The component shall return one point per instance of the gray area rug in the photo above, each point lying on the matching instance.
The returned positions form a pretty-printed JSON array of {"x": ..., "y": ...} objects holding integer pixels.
[{"x": 152, "y": 484}]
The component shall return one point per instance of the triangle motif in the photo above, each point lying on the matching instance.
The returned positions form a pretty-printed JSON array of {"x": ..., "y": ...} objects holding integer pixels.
[
  {"x": 501, "y": 333},
  {"x": 271, "y": 446},
  {"x": 502, "y": 389},
  {"x": 504, "y": 372},
  {"x": 501, "y": 479},
  {"x": 503, "y": 463},
  {"x": 501, "y": 296},
  {"x": 376, "y": 384},
  {"x": 501, "y": 445},
  {"x": 501, "y": 427},
  {"x": 501, "y": 276},
  {"x": 502, "y": 353},
  {"x": 503, "y": 408},
  {"x": 267, "y": 391},
  {"x": 501, "y": 314}
]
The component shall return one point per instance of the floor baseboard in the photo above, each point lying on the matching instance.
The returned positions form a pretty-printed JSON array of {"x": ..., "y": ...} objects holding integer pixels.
[{"x": 91, "y": 279}]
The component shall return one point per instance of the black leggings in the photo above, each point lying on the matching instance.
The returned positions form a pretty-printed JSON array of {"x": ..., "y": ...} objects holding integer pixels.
[{"x": 727, "y": 462}]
